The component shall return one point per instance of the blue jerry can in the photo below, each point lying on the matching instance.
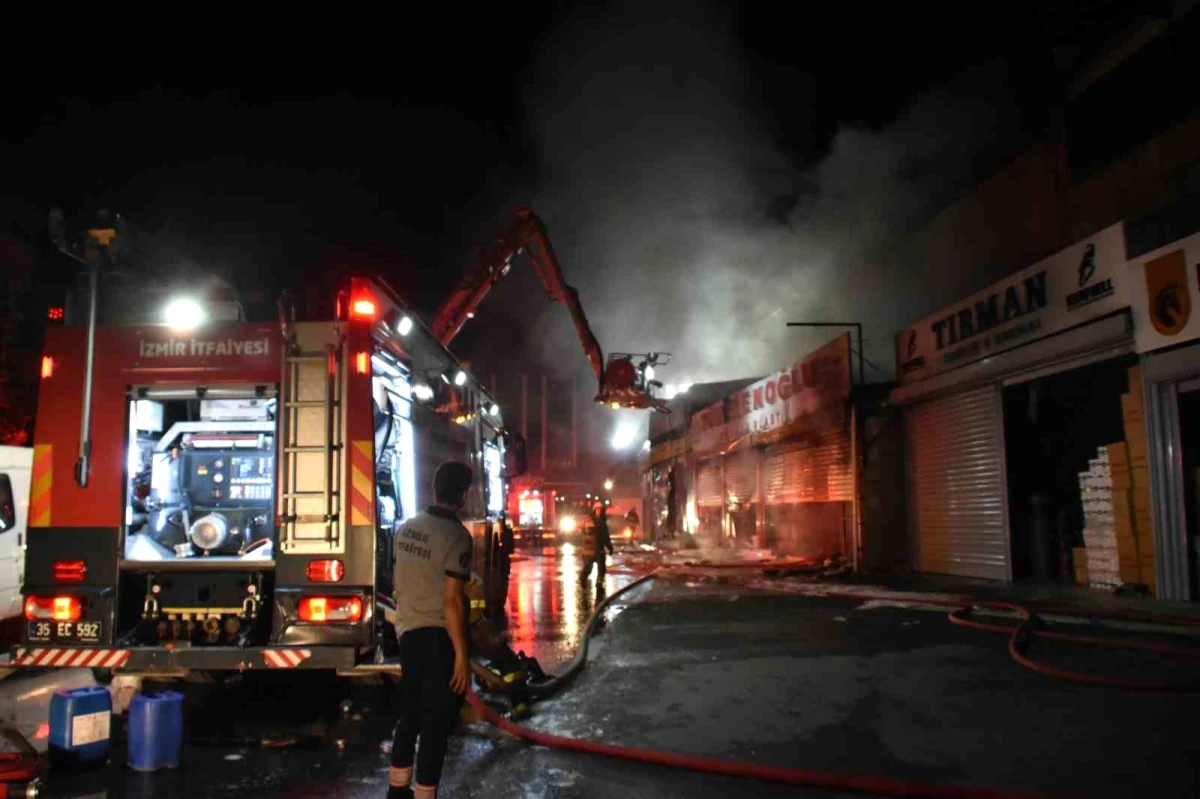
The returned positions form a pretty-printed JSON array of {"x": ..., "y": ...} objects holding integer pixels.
[
  {"x": 155, "y": 731},
  {"x": 80, "y": 725}
]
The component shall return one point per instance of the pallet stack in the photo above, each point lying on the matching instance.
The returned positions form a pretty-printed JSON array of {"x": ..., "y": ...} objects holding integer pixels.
[
  {"x": 1101, "y": 564},
  {"x": 1130, "y": 471}
]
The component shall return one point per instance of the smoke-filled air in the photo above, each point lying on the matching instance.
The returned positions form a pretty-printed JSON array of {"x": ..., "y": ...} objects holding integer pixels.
[{"x": 669, "y": 202}]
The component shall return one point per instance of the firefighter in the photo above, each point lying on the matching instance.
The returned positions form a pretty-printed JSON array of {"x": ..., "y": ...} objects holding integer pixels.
[
  {"x": 433, "y": 566},
  {"x": 632, "y": 521},
  {"x": 507, "y": 671},
  {"x": 595, "y": 541}
]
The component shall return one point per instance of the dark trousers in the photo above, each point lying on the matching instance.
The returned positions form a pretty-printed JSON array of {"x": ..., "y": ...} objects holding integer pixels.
[
  {"x": 601, "y": 561},
  {"x": 429, "y": 709}
]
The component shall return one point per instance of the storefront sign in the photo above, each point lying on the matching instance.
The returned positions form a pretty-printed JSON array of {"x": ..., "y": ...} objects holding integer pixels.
[
  {"x": 1165, "y": 289},
  {"x": 707, "y": 428},
  {"x": 667, "y": 450},
  {"x": 818, "y": 381},
  {"x": 1073, "y": 286}
]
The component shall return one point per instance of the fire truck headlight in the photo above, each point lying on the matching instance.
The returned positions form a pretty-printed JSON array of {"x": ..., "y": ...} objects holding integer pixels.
[
  {"x": 184, "y": 313},
  {"x": 460, "y": 377},
  {"x": 649, "y": 373},
  {"x": 404, "y": 326},
  {"x": 566, "y": 524},
  {"x": 209, "y": 532}
]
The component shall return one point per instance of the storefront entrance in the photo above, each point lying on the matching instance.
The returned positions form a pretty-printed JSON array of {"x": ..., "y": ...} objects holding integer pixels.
[
  {"x": 1189, "y": 435},
  {"x": 1053, "y": 426}
]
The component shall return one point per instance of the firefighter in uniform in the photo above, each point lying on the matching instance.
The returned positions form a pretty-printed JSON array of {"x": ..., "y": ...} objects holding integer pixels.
[
  {"x": 506, "y": 671},
  {"x": 632, "y": 520},
  {"x": 595, "y": 541}
]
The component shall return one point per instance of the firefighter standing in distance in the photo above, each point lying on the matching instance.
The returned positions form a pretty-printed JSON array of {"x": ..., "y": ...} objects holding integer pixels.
[
  {"x": 632, "y": 521},
  {"x": 433, "y": 565},
  {"x": 595, "y": 541}
]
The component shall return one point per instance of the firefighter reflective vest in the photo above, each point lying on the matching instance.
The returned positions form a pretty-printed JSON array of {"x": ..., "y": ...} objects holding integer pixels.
[{"x": 477, "y": 599}]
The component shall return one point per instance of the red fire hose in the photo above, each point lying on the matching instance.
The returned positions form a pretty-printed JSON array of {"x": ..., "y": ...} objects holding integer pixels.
[
  {"x": 1031, "y": 626},
  {"x": 19, "y": 772},
  {"x": 885, "y": 786}
]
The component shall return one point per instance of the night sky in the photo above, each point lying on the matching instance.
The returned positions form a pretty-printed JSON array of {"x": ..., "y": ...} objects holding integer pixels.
[{"x": 677, "y": 151}]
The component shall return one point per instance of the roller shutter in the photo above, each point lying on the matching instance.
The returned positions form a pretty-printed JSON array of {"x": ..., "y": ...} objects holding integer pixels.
[
  {"x": 815, "y": 468},
  {"x": 708, "y": 484},
  {"x": 956, "y": 485},
  {"x": 741, "y": 476}
]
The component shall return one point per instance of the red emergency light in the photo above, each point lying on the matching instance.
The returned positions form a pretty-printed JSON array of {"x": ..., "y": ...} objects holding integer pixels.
[
  {"x": 325, "y": 571},
  {"x": 58, "y": 608},
  {"x": 330, "y": 609},
  {"x": 55, "y": 314},
  {"x": 364, "y": 308},
  {"x": 70, "y": 571}
]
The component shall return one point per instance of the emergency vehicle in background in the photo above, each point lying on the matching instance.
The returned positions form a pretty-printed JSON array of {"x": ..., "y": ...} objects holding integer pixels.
[{"x": 218, "y": 494}]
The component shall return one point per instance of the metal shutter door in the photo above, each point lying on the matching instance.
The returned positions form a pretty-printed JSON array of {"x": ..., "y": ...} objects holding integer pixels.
[
  {"x": 741, "y": 476},
  {"x": 956, "y": 484},
  {"x": 708, "y": 484},
  {"x": 816, "y": 468}
]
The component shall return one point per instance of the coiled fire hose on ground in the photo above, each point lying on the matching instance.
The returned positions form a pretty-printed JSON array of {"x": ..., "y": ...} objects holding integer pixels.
[{"x": 960, "y": 609}]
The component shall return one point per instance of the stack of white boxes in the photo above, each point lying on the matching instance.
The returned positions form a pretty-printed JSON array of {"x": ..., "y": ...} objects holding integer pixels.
[{"x": 1099, "y": 525}]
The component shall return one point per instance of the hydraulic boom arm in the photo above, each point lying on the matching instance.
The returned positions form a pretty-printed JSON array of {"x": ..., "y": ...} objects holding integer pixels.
[{"x": 620, "y": 384}]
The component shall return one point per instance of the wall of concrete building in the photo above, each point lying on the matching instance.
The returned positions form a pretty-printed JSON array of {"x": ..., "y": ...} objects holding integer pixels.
[
  {"x": 1050, "y": 197},
  {"x": 1157, "y": 173},
  {"x": 1010, "y": 219},
  {"x": 883, "y": 502}
]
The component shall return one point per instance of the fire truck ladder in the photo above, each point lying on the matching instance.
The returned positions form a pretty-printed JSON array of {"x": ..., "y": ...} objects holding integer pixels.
[{"x": 310, "y": 470}]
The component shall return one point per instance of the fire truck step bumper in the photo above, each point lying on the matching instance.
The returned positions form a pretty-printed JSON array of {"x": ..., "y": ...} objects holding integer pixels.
[{"x": 150, "y": 660}]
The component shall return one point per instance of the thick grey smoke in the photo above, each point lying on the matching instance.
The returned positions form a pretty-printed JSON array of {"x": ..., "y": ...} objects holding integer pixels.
[{"x": 661, "y": 189}]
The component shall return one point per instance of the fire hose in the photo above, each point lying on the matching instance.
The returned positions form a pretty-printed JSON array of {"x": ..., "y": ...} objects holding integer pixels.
[
  {"x": 1030, "y": 626},
  {"x": 20, "y": 770}
]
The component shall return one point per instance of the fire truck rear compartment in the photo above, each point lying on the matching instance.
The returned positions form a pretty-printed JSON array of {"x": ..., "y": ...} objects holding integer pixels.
[
  {"x": 195, "y": 608},
  {"x": 201, "y": 479}
]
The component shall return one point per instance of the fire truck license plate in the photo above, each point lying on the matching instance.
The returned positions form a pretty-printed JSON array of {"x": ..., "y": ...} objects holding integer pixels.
[{"x": 65, "y": 630}]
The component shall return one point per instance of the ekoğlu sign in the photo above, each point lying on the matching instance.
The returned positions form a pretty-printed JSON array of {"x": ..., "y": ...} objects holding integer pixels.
[{"x": 1082, "y": 282}]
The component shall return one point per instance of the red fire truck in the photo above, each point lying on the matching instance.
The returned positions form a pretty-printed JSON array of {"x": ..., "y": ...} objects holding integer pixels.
[{"x": 218, "y": 494}]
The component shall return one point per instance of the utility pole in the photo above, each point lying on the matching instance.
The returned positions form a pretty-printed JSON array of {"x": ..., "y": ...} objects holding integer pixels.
[
  {"x": 525, "y": 407},
  {"x": 545, "y": 432},
  {"x": 96, "y": 252},
  {"x": 574, "y": 431}
]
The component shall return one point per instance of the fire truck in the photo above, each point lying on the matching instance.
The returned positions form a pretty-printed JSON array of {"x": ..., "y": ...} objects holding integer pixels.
[{"x": 210, "y": 493}]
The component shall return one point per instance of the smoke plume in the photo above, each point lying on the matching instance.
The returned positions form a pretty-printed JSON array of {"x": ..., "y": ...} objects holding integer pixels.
[{"x": 674, "y": 212}]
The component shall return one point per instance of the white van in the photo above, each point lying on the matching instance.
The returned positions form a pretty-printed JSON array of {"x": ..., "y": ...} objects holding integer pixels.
[{"x": 16, "y": 464}]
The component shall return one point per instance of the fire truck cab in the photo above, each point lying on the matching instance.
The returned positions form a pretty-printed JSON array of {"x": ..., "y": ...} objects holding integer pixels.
[{"x": 241, "y": 484}]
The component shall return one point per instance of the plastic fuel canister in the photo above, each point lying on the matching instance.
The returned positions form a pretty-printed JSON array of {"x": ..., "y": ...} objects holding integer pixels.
[
  {"x": 80, "y": 725},
  {"x": 155, "y": 731}
]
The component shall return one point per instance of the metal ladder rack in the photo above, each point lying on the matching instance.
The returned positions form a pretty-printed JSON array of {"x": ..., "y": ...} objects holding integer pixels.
[{"x": 310, "y": 470}]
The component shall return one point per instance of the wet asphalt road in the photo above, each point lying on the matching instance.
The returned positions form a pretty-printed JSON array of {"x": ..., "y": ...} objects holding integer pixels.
[
  {"x": 306, "y": 734},
  {"x": 754, "y": 671}
]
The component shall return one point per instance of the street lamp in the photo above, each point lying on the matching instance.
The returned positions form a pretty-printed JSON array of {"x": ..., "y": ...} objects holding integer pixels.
[{"x": 608, "y": 484}]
